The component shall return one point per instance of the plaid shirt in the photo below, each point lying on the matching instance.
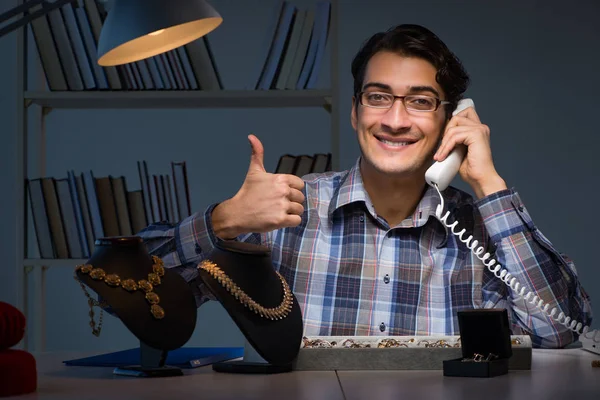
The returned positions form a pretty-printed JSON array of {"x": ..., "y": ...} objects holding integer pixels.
[{"x": 353, "y": 274}]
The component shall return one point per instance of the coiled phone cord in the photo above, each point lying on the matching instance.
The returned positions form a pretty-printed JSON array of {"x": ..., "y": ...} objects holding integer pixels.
[{"x": 510, "y": 280}]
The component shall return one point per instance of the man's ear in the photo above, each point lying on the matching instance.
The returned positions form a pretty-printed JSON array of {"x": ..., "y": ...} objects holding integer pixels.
[{"x": 353, "y": 116}]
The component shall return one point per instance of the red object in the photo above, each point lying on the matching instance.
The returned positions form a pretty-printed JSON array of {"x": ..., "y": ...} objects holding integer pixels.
[
  {"x": 12, "y": 326},
  {"x": 18, "y": 373}
]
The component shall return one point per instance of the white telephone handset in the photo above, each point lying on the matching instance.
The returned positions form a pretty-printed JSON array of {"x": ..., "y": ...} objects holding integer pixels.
[
  {"x": 442, "y": 172},
  {"x": 439, "y": 175}
]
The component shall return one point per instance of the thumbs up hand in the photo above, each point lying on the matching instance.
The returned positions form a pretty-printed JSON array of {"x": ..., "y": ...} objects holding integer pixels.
[{"x": 264, "y": 203}]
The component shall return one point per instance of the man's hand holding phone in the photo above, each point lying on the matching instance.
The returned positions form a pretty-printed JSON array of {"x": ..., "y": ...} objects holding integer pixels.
[
  {"x": 477, "y": 169},
  {"x": 264, "y": 203}
]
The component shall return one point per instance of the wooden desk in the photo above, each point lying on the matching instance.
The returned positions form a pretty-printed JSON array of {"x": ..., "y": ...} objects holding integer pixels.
[
  {"x": 59, "y": 382},
  {"x": 555, "y": 374}
]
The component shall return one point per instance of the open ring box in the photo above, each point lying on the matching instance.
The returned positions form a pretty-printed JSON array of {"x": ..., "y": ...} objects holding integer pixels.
[{"x": 486, "y": 346}]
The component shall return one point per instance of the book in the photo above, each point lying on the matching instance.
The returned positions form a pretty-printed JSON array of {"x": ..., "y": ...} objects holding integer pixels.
[
  {"x": 317, "y": 40},
  {"x": 41, "y": 219},
  {"x": 301, "y": 50},
  {"x": 321, "y": 163},
  {"x": 203, "y": 65},
  {"x": 89, "y": 182},
  {"x": 48, "y": 52},
  {"x": 135, "y": 204},
  {"x": 90, "y": 48},
  {"x": 86, "y": 215},
  {"x": 278, "y": 49},
  {"x": 65, "y": 50},
  {"x": 267, "y": 44},
  {"x": 147, "y": 193},
  {"x": 303, "y": 165},
  {"x": 181, "y": 188},
  {"x": 290, "y": 53},
  {"x": 57, "y": 229},
  {"x": 95, "y": 19},
  {"x": 106, "y": 203},
  {"x": 286, "y": 164},
  {"x": 119, "y": 190},
  {"x": 69, "y": 221},
  {"x": 324, "y": 11},
  {"x": 76, "y": 41}
]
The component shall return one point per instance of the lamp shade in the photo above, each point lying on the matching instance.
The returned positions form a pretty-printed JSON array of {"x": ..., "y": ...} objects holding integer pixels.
[{"x": 138, "y": 29}]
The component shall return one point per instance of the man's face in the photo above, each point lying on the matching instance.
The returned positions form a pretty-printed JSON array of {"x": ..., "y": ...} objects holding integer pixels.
[{"x": 396, "y": 141}]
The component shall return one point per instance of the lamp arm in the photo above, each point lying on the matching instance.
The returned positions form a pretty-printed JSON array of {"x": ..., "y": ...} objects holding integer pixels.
[{"x": 27, "y": 18}]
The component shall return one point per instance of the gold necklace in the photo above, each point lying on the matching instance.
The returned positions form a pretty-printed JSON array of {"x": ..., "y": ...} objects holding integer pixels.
[
  {"x": 279, "y": 312},
  {"x": 113, "y": 280}
]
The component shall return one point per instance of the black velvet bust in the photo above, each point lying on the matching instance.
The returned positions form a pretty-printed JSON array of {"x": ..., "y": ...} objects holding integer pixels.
[
  {"x": 250, "y": 267},
  {"x": 128, "y": 258}
]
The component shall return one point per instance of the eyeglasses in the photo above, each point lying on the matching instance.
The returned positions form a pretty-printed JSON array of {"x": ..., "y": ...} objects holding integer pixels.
[{"x": 415, "y": 102}]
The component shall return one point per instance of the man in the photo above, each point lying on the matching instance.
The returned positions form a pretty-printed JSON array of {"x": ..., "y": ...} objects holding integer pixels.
[{"x": 362, "y": 249}]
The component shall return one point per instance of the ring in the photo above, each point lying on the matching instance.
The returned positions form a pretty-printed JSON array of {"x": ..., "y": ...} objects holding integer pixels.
[{"x": 478, "y": 357}]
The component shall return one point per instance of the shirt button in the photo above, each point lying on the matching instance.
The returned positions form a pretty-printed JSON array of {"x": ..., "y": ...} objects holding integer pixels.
[
  {"x": 382, "y": 327},
  {"x": 361, "y": 218},
  {"x": 386, "y": 278},
  {"x": 520, "y": 208}
]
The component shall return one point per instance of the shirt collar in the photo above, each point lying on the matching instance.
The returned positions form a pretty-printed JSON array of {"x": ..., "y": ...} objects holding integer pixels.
[{"x": 352, "y": 190}]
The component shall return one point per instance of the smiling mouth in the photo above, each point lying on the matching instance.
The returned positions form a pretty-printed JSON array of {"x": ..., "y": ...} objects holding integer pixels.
[{"x": 396, "y": 143}]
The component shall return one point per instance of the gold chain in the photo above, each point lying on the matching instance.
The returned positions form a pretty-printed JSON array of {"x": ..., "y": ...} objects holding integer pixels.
[
  {"x": 113, "y": 280},
  {"x": 93, "y": 303},
  {"x": 279, "y": 312}
]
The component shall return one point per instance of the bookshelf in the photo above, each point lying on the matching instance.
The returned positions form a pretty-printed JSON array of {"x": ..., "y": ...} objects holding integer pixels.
[
  {"x": 181, "y": 99},
  {"x": 30, "y": 273}
]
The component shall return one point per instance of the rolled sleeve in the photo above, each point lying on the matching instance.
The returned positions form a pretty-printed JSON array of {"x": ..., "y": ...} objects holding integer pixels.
[
  {"x": 202, "y": 233},
  {"x": 504, "y": 214}
]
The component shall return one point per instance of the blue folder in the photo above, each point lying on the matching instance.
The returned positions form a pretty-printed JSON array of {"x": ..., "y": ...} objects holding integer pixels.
[{"x": 185, "y": 357}]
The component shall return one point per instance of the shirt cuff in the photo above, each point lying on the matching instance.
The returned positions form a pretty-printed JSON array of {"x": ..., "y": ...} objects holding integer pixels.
[
  {"x": 504, "y": 214},
  {"x": 204, "y": 232}
]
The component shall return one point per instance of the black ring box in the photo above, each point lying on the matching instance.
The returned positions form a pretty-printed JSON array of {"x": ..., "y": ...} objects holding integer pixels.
[{"x": 482, "y": 332}]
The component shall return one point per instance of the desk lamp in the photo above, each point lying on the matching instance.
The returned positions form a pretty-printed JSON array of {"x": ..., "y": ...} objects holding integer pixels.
[
  {"x": 133, "y": 29},
  {"x": 138, "y": 29}
]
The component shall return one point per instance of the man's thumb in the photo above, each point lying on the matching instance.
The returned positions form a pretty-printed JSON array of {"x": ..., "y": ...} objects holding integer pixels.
[{"x": 258, "y": 154}]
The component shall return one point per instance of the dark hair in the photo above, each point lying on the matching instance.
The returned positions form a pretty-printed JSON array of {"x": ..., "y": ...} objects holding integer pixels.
[{"x": 415, "y": 41}]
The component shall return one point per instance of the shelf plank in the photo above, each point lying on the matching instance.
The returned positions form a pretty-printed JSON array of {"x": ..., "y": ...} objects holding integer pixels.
[
  {"x": 181, "y": 99},
  {"x": 54, "y": 262}
]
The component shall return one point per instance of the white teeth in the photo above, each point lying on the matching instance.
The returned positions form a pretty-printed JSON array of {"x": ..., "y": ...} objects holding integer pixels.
[{"x": 397, "y": 144}]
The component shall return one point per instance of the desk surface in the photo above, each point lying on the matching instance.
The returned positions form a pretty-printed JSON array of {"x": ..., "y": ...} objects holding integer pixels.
[{"x": 555, "y": 374}]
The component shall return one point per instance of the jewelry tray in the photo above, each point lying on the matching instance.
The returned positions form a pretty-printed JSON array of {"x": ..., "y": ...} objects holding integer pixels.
[{"x": 420, "y": 353}]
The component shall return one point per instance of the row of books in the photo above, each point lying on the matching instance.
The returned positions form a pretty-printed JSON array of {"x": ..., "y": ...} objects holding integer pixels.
[
  {"x": 295, "y": 47},
  {"x": 303, "y": 164},
  {"x": 67, "y": 40},
  {"x": 70, "y": 213}
]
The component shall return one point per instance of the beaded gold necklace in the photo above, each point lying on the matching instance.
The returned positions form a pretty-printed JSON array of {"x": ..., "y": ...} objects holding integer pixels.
[{"x": 114, "y": 280}]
